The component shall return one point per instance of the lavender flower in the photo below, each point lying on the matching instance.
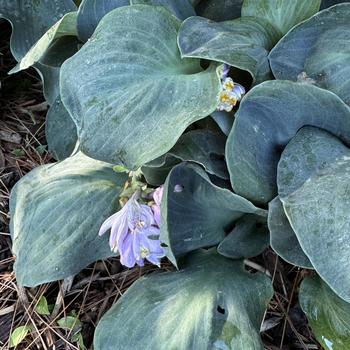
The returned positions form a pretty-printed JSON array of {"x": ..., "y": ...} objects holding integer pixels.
[
  {"x": 225, "y": 71},
  {"x": 157, "y": 197},
  {"x": 230, "y": 92},
  {"x": 134, "y": 232}
]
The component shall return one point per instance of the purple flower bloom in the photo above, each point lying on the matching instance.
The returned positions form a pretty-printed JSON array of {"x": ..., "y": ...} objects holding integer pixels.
[
  {"x": 134, "y": 233},
  {"x": 225, "y": 71},
  {"x": 230, "y": 94},
  {"x": 157, "y": 197}
]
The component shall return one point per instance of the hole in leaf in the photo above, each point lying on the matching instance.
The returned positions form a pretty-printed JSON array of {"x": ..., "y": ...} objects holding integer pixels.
[
  {"x": 220, "y": 310},
  {"x": 178, "y": 188}
]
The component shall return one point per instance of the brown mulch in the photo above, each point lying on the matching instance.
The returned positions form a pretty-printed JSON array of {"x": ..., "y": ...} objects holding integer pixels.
[{"x": 92, "y": 292}]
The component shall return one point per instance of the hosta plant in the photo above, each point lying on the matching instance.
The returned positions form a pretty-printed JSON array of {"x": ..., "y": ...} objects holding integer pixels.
[{"x": 200, "y": 131}]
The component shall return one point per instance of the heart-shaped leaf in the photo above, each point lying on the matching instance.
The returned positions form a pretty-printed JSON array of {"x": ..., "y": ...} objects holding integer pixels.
[
  {"x": 310, "y": 151},
  {"x": 243, "y": 43},
  {"x": 61, "y": 132},
  {"x": 60, "y": 50},
  {"x": 224, "y": 120},
  {"x": 319, "y": 215},
  {"x": 282, "y": 14},
  {"x": 219, "y": 10},
  {"x": 18, "y": 335},
  {"x": 30, "y": 20},
  {"x": 283, "y": 239},
  {"x": 328, "y": 315},
  {"x": 90, "y": 13},
  {"x": 56, "y": 212},
  {"x": 200, "y": 146},
  {"x": 319, "y": 50},
  {"x": 196, "y": 213},
  {"x": 283, "y": 107},
  {"x": 249, "y": 238},
  {"x": 180, "y": 8},
  {"x": 66, "y": 26},
  {"x": 211, "y": 304},
  {"x": 133, "y": 104}
]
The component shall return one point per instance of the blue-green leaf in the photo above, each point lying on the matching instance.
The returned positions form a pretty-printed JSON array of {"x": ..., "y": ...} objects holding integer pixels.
[
  {"x": 211, "y": 304},
  {"x": 60, "y": 50},
  {"x": 180, "y": 8},
  {"x": 56, "y": 212},
  {"x": 243, "y": 43},
  {"x": 196, "y": 213},
  {"x": 134, "y": 96},
  {"x": 90, "y": 13},
  {"x": 319, "y": 49},
  {"x": 283, "y": 239},
  {"x": 30, "y": 20},
  {"x": 319, "y": 215},
  {"x": 328, "y": 315},
  {"x": 61, "y": 132},
  {"x": 310, "y": 151},
  {"x": 282, "y": 14},
  {"x": 66, "y": 26},
  {"x": 200, "y": 146},
  {"x": 50, "y": 77},
  {"x": 249, "y": 238},
  {"x": 219, "y": 10},
  {"x": 224, "y": 120},
  {"x": 328, "y": 3},
  {"x": 268, "y": 117}
]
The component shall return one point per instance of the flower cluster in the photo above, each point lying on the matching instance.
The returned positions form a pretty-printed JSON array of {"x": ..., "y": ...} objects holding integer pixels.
[
  {"x": 230, "y": 92},
  {"x": 135, "y": 231}
]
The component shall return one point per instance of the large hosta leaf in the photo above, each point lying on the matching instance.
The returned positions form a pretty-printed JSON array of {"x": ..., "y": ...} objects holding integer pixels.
[
  {"x": 180, "y": 8},
  {"x": 56, "y": 212},
  {"x": 132, "y": 95},
  {"x": 283, "y": 239},
  {"x": 30, "y": 20},
  {"x": 249, "y": 238},
  {"x": 328, "y": 3},
  {"x": 310, "y": 151},
  {"x": 243, "y": 43},
  {"x": 282, "y": 14},
  {"x": 66, "y": 26},
  {"x": 211, "y": 304},
  {"x": 90, "y": 13},
  {"x": 60, "y": 50},
  {"x": 268, "y": 117},
  {"x": 328, "y": 315},
  {"x": 50, "y": 77},
  {"x": 320, "y": 48},
  {"x": 224, "y": 120},
  {"x": 319, "y": 215},
  {"x": 201, "y": 146},
  {"x": 219, "y": 10},
  {"x": 196, "y": 213},
  {"x": 61, "y": 132}
]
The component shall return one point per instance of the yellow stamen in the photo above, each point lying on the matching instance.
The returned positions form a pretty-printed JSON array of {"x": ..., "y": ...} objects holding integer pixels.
[
  {"x": 229, "y": 85},
  {"x": 144, "y": 252}
]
